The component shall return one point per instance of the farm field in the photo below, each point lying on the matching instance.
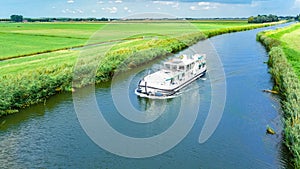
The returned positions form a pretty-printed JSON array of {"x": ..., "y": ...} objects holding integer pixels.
[
  {"x": 39, "y": 37},
  {"x": 48, "y": 52},
  {"x": 36, "y": 38}
]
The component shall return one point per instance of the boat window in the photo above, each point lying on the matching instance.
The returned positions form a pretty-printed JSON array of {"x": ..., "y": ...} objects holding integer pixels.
[
  {"x": 174, "y": 67},
  {"x": 188, "y": 67},
  {"x": 192, "y": 65},
  {"x": 183, "y": 74},
  {"x": 181, "y": 67},
  {"x": 167, "y": 66}
]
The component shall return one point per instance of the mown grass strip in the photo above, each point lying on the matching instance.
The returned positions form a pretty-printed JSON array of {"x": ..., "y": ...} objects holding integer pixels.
[
  {"x": 41, "y": 35},
  {"x": 286, "y": 82},
  {"x": 17, "y": 45},
  {"x": 72, "y": 29}
]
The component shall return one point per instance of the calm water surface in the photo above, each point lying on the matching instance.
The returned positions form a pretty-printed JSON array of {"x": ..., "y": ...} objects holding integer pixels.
[{"x": 50, "y": 136}]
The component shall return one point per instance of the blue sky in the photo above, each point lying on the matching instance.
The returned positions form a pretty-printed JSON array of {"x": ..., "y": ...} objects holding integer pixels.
[{"x": 125, "y": 8}]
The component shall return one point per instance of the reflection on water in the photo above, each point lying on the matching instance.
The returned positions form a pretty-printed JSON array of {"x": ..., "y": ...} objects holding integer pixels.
[{"x": 50, "y": 136}]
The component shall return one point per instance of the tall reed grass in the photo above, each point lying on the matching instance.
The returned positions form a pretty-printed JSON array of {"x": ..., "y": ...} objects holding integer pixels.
[{"x": 287, "y": 83}]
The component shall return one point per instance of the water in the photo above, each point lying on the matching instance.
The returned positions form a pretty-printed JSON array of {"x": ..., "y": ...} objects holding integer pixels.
[{"x": 50, "y": 136}]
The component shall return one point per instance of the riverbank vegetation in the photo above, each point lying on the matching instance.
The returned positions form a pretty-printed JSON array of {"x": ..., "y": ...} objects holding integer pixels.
[
  {"x": 33, "y": 75},
  {"x": 284, "y": 63}
]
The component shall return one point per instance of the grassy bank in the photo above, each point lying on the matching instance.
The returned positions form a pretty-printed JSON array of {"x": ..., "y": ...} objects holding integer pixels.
[
  {"x": 284, "y": 62},
  {"x": 34, "y": 78}
]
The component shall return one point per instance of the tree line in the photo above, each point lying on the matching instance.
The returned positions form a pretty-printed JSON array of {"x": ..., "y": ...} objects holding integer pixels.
[
  {"x": 252, "y": 19},
  {"x": 19, "y": 18},
  {"x": 16, "y": 18},
  {"x": 263, "y": 18},
  {"x": 65, "y": 19}
]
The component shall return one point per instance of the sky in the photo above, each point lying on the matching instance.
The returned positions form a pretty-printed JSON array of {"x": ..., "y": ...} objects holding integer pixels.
[{"x": 132, "y": 8}]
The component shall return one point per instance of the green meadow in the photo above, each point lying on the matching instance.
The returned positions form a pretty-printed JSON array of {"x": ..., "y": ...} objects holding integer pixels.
[
  {"x": 284, "y": 62},
  {"x": 290, "y": 42},
  {"x": 25, "y": 39},
  {"x": 38, "y": 59}
]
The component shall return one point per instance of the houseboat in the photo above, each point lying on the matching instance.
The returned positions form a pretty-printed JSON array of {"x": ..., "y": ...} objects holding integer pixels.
[{"x": 176, "y": 74}]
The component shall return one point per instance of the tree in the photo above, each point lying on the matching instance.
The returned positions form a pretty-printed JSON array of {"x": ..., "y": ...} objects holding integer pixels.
[
  {"x": 16, "y": 18},
  {"x": 297, "y": 18},
  {"x": 263, "y": 19},
  {"x": 251, "y": 19}
]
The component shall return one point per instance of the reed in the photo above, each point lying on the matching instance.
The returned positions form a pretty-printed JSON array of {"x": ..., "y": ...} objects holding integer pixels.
[{"x": 286, "y": 82}]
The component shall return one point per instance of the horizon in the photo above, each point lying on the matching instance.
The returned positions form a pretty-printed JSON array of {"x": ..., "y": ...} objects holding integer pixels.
[
  {"x": 187, "y": 18},
  {"x": 124, "y": 9}
]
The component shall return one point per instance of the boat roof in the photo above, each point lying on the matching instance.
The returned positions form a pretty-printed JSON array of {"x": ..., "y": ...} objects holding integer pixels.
[
  {"x": 183, "y": 60},
  {"x": 162, "y": 75}
]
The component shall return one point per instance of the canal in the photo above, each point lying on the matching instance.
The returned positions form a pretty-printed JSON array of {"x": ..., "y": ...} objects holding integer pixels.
[{"x": 51, "y": 136}]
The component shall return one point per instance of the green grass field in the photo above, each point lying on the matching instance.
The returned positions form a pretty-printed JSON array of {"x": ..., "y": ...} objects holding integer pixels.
[
  {"x": 18, "y": 39},
  {"x": 290, "y": 42},
  {"x": 38, "y": 59},
  {"x": 73, "y": 30}
]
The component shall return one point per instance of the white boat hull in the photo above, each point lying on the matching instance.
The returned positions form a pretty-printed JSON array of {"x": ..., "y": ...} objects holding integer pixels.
[{"x": 166, "y": 94}]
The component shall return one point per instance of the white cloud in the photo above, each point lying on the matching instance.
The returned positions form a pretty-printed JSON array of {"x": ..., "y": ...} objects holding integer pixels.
[
  {"x": 111, "y": 10},
  {"x": 173, "y": 4},
  {"x": 66, "y": 11},
  {"x": 193, "y": 8},
  {"x": 127, "y": 9},
  {"x": 164, "y": 2},
  {"x": 100, "y": 2},
  {"x": 94, "y": 11},
  {"x": 118, "y": 1},
  {"x": 70, "y": 1},
  {"x": 204, "y": 3},
  {"x": 72, "y": 11},
  {"x": 207, "y": 5},
  {"x": 207, "y": 8},
  {"x": 79, "y": 11}
]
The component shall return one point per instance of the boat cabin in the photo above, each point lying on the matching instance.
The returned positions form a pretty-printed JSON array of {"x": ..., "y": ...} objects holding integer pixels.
[{"x": 182, "y": 64}]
